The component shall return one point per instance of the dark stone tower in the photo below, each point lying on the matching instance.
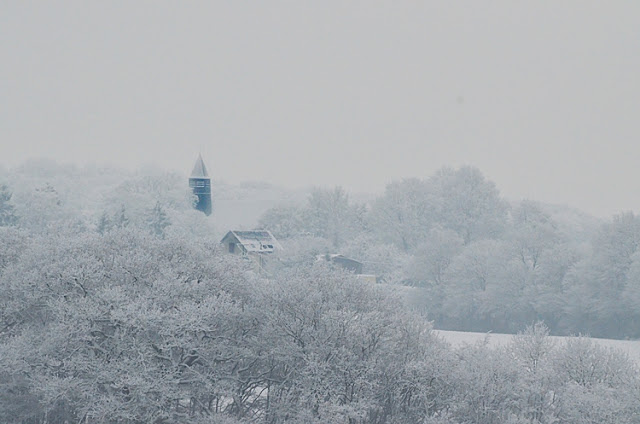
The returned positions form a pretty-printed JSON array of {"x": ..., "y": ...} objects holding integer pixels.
[{"x": 200, "y": 183}]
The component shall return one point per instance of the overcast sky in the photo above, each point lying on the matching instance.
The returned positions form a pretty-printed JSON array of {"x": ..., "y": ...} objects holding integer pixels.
[{"x": 542, "y": 96}]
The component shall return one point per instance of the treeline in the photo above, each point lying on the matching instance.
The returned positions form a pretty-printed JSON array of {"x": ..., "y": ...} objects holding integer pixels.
[
  {"x": 47, "y": 198},
  {"x": 483, "y": 264},
  {"x": 128, "y": 327},
  {"x": 480, "y": 263}
]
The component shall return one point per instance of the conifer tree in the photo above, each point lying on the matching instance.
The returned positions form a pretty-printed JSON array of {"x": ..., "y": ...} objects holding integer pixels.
[
  {"x": 158, "y": 220},
  {"x": 7, "y": 213},
  {"x": 104, "y": 224},
  {"x": 120, "y": 219}
]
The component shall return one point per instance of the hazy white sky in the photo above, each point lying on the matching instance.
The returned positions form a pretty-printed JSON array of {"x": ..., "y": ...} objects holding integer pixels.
[{"x": 542, "y": 96}]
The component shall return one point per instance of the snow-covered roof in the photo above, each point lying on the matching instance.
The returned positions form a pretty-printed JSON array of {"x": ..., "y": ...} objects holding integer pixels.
[
  {"x": 255, "y": 241},
  {"x": 199, "y": 170},
  {"x": 343, "y": 261},
  {"x": 335, "y": 257}
]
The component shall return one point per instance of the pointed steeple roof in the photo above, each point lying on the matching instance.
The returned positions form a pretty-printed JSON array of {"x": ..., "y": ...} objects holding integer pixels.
[{"x": 199, "y": 170}]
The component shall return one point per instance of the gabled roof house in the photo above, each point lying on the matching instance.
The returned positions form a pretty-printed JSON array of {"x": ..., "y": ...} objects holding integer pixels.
[{"x": 250, "y": 242}]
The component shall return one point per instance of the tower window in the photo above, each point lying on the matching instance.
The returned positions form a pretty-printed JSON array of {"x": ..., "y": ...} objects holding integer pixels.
[{"x": 199, "y": 183}]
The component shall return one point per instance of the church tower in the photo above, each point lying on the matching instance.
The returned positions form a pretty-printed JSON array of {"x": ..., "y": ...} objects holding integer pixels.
[{"x": 200, "y": 183}]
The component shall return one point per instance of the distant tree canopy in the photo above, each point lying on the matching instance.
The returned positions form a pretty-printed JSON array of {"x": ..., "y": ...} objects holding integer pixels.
[
  {"x": 479, "y": 262},
  {"x": 482, "y": 263},
  {"x": 460, "y": 200}
]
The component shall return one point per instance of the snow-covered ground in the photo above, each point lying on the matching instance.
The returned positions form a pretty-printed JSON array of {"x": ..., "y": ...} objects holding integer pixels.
[{"x": 458, "y": 338}]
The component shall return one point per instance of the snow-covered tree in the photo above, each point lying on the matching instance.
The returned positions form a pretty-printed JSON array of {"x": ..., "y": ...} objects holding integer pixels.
[
  {"x": 596, "y": 286},
  {"x": 481, "y": 286},
  {"x": 8, "y": 215},
  {"x": 44, "y": 210},
  {"x": 104, "y": 224},
  {"x": 600, "y": 385},
  {"x": 533, "y": 351},
  {"x": 330, "y": 215},
  {"x": 158, "y": 220},
  {"x": 404, "y": 214},
  {"x": 468, "y": 203},
  {"x": 120, "y": 218},
  {"x": 432, "y": 258},
  {"x": 284, "y": 222}
]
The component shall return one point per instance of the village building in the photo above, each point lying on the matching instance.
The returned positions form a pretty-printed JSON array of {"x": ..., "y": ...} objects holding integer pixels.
[
  {"x": 350, "y": 265},
  {"x": 255, "y": 245},
  {"x": 343, "y": 262}
]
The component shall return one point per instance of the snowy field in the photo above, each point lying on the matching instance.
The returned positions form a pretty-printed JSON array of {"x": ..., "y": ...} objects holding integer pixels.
[{"x": 458, "y": 338}]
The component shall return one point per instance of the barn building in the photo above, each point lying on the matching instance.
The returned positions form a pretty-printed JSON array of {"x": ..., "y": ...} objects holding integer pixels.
[{"x": 256, "y": 245}]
